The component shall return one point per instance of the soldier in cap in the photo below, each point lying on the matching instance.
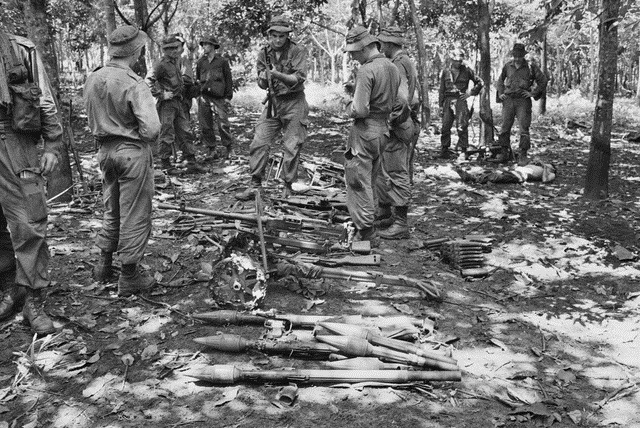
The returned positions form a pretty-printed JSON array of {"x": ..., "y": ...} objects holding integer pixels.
[
  {"x": 452, "y": 99},
  {"x": 288, "y": 71},
  {"x": 167, "y": 85},
  {"x": 519, "y": 81},
  {"x": 24, "y": 256},
  {"x": 375, "y": 94},
  {"x": 213, "y": 73},
  {"x": 393, "y": 186},
  {"x": 124, "y": 121}
]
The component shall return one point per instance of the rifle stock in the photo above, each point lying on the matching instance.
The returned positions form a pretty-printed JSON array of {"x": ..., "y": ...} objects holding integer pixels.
[{"x": 272, "y": 109}]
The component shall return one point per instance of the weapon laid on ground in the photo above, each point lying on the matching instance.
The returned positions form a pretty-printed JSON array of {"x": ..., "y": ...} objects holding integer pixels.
[
  {"x": 229, "y": 374},
  {"x": 366, "y": 260},
  {"x": 235, "y": 343},
  {"x": 364, "y": 363},
  {"x": 306, "y": 270},
  {"x": 376, "y": 339},
  {"x": 272, "y": 108},
  {"x": 357, "y": 347}
]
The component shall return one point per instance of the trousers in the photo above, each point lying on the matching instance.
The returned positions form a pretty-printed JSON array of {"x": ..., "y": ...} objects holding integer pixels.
[
  {"x": 455, "y": 110},
  {"x": 23, "y": 210},
  {"x": 175, "y": 129},
  {"x": 392, "y": 185},
  {"x": 127, "y": 187},
  {"x": 513, "y": 108},
  {"x": 292, "y": 121},
  {"x": 213, "y": 116}
]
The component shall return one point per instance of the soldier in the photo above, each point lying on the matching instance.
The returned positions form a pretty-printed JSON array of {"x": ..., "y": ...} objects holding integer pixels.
[
  {"x": 167, "y": 85},
  {"x": 519, "y": 81},
  {"x": 123, "y": 119},
  {"x": 452, "y": 99},
  {"x": 375, "y": 93},
  {"x": 24, "y": 256},
  {"x": 213, "y": 73},
  {"x": 288, "y": 71},
  {"x": 393, "y": 186}
]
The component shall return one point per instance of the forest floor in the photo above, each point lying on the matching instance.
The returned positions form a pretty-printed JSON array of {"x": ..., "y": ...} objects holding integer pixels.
[{"x": 550, "y": 338}]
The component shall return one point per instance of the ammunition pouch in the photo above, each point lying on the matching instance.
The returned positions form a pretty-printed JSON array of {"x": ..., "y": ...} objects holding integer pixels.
[{"x": 25, "y": 109}]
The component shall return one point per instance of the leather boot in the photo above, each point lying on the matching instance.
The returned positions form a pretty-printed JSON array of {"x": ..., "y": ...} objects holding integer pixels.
[
  {"x": 503, "y": 156},
  {"x": 287, "y": 191},
  {"x": 11, "y": 296},
  {"x": 248, "y": 194},
  {"x": 383, "y": 217},
  {"x": 368, "y": 234},
  {"x": 33, "y": 312},
  {"x": 193, "y": 167},
  {"x": 103, "y": 270},
  {"x": 523, "y": 159},
  {"x": 170, "y": 169},
  {"x": 132, "y": 281},
  {"x": 228, "y": 153},
  {"x": 400, "y": 228}
]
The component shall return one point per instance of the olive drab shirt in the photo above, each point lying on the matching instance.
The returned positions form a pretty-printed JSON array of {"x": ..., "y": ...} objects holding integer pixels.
[
  {"x": 119, "y": 104},
  {"x": 292, "y": 60},
  {"x": 215, "y": 75},
  {"x": 513, "y": 80},
  {"x": 407, "y": 72},
  {"x": 454, "y": 82},
  {"x": 376, "y": 90},
  {"x": 167, "y": 76}
]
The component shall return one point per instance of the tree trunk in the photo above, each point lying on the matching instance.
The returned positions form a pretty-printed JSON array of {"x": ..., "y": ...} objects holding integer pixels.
[
  {"x": 597, "y": 179},
  {"x": 486, "y": 114},
  {"x": 142, "y": 14},
  {"x": 638, "y": 84},
  {"x": 109, "y": 15},
  {"x": 422, "y": 67},
  {"x": 542, "y": 105}
]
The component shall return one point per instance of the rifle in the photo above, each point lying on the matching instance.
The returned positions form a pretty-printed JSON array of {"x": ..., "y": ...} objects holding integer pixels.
[
  {"x": 272, "y": 109},
  {"x": 229, "y": 374},
  {"x": 235, "y": 343}
]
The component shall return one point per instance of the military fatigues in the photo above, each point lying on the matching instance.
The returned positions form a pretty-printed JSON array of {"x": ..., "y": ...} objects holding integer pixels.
[
  {"x": 23, "y": 208},
  {"x": 216, "y": 83},
  {"x": 293, "y": 112},
  {"x": 453, "y": 83},
  {"x": 167, "y": 76},
  {"x": 512, "y": 82},
  {"x": 123, "y": 119},
  {"x": 376, "y": 89}
]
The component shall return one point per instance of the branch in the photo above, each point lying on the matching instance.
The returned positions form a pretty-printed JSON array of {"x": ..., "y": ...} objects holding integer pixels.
[
  {"x": 394, "y": 12},
  {"x": 318, "y": 43},
  {"x": 326, "y": 27},
  {"x": 115, "y": 6},
  {"x": 149, "y": 22},
  {"x": 174, "y": 11}
]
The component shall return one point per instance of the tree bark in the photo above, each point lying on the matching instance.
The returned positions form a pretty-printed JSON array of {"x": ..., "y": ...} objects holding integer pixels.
[
  {"x": 597, "y": 179},
  {"x": 109, "y": 15},
  {"x": 542, "y": 105},
  {"x": 486, "y": 114},
  {"x": 638, "y": 84},
  {"x": 422, "y": 67}
]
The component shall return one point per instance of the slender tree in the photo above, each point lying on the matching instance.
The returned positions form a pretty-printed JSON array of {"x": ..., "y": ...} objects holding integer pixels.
[
  {"x": 486, "y": 114},
  {"x": 423, "y": 74}
]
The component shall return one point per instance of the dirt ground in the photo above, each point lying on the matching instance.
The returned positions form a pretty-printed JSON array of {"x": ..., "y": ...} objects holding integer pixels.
[{"x": 550, "y": 338}]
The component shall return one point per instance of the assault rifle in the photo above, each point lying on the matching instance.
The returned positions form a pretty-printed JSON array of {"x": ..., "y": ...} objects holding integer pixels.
[{"x": 272, "y": 109}]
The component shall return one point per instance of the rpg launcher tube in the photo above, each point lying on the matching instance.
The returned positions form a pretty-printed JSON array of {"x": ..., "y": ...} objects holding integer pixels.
[
  {"x": 435, "y": 360},
  {"x": 357, "y": 347},
  {"x": 229, "y": 375},
  {"x": 225, "y": 317},
  {"x": 235, "y": 343},
  {"x": 365, "y": 363}
]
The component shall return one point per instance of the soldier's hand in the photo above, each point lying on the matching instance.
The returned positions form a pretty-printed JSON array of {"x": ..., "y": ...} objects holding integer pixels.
[
  {"x": 48, "y": 163},
  {"x": 503, "y": 96},
  {"x": 464, "y": 96},
  {"x": 167, "y": 95},
  {"x": 526, "y": 94}
]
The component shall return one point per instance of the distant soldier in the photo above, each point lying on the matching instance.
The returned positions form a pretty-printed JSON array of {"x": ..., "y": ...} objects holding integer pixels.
[
  {"x": 452, "y": 99},
  {"x": 213, "y": 74},
  {"x": 287, "y": 65},
  {"x": 393, "y": 186},
  {"x": 123, "y": 119},
  {"x": 24, "y": 256},
  {"x": 375, "y": 93},
  {"x": 519, "y": 81},
  {"x": 167, "y": 85}
]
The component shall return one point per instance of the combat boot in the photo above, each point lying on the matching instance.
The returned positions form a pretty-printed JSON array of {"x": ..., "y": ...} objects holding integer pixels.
[
  {"x": 228, "y": 153},
  {"x": 33, "y": 312},
  {"x": 523, "y": 159},
  {"x": 132, "y": 281},
  {"x": 503, "y": 156},
  {"x": 11, "y": 296},
  {"x": 445, "y": 153},
  {"x": 400, "y": 228},
  {"x": 368, "y": 234},
  {"x": 103, "y": 270},
  {"x": 193, "y": 167},
  {"x": 170, "y": 169},
  {"x": 383, "y": 217},
  {"x": 249, "y": 193},
  {"x": 287, "y": 191}
]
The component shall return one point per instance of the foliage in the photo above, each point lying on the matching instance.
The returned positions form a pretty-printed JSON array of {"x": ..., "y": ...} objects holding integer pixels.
[{"x": 78, "y": 21}]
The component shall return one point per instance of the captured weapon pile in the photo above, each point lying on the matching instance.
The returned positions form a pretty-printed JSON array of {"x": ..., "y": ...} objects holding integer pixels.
[
  {"x": 465, "y": 254},
  {"x": 353, "y": 348}
]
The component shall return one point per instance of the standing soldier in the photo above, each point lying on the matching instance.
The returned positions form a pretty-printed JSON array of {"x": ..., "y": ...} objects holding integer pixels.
[
  {"x": 518, "y": 83},
  {"x": 393, "y": 186},
  {"x": 282, "y": 67},
  {"x": 375, "y": 93},
  {"x": 167, "y": 85},
  {"x": 452, "y": 99},
  {"x": 213, "y": 73},
  {"x": 123, "y": 119},
  {"x": 24, "y": 256}
]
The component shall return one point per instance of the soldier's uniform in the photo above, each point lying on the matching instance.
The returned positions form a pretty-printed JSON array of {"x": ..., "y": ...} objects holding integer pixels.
[
  {"x": 393, "y": 186},
  {"x": 167, "y": 78},
  {"x": 375, "y": 93},
  {"x": 123, "y": 119},
  {"x": 515, "y": 83},
  {"x": 24, "y": 256},
  {"x": 213, "y": 73},
  {"x": 292, "y": 110},
  {"x": 452, "y": 99}
]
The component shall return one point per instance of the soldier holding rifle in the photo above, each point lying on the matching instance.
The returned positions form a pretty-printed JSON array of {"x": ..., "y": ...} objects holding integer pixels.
[{"x": 282, "y": 69}]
